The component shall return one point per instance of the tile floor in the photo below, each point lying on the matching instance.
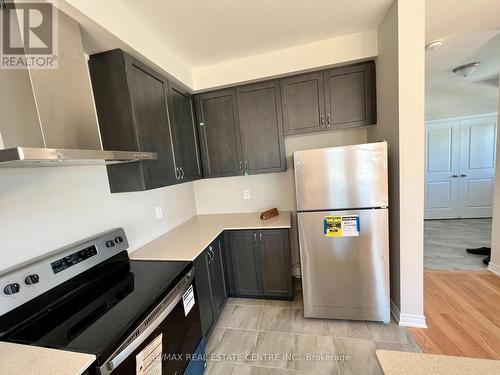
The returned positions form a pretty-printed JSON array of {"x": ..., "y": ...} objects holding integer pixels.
[
  {"x": 264, "y": 337},
  {"x": 445, "y": 242}
]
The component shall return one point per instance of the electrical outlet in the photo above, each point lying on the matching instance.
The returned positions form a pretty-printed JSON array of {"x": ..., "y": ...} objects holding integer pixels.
[
  {"x": 159, "y": 212},
  {"x": 246, "y": 194}
]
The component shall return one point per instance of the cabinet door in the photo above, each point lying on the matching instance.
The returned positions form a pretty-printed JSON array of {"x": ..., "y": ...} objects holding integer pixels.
[
  {"x": 261, "y": 127},
  {"x": 276, "y": 263},
  {"x": 245, "y": 263},
  {"x": 203, "y": 287},
  {"x": 184, "y": 134},
  {"x": 303, "y": 103},
  {"x": 350, "y": 96},
  {"x": 148, "y": 93},
  {"x": 219, "y": 133},
  {"x": 217, "y": 282}
]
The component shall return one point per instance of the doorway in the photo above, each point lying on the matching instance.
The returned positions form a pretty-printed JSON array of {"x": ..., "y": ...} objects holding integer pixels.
[{"x": 460, "y": 167}]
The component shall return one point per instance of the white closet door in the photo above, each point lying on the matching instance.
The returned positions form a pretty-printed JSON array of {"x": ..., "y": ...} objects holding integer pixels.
[
  {"x": 477, "y": 167},
  {"x": 442, "y": 168}
]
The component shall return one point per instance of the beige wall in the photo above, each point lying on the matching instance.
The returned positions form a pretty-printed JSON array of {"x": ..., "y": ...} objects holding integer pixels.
[
  {"x": 494, "y": 265},
  {"x": 219, "y": 195},
  {"x": 411, "y": 34},
  {"x": 388, "y": 129},
  {"x": 115, "y": 19},
  {"x": 42, "y": 209},
  {"x": 400, "y": 85},
  {"x": 300, "y": 58}
]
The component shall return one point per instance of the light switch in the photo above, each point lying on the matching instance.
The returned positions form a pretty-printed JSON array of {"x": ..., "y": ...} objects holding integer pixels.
[{"x": 246, "y": 194}]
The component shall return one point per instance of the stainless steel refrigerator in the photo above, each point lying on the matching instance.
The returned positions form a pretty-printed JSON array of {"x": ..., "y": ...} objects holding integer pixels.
[{"x": 342, "y": 217}]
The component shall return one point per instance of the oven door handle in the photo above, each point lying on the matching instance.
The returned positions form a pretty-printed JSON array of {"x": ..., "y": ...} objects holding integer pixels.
[{"x": 169, "y": 302}]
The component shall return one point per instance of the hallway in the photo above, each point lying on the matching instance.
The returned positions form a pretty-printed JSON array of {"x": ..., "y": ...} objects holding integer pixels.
[{"x": 445, "y": 242}]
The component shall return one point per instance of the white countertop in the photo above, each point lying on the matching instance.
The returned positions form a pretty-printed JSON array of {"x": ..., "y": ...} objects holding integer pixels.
[
  {"x": 34, "y": 360},
  {"x": 189, "y": 239},
  {"x": 402, "y": 363}
]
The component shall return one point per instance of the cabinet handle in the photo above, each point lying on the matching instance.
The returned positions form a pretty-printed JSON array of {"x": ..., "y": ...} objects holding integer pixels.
[
  {"x": 260, "y": 237},
  {"x": 455, "y": 176},
  {"x": 177, "y": 173},
  {"x": 241, "y": 166},
  {"x": 182, "y": 173},
  {"x": 209, "y": 258},
  {"x": 322, "y": 121},
  {"x": 255, "y": 237},
  {"x": 328, "y": 120},
  {"x": 463, "y": 175},
  {"x": 246, "y": 166}
]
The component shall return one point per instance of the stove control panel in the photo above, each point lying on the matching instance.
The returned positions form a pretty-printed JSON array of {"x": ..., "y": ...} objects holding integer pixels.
[
  {"x": 20, "y": 284},
  {"x": 72, "y": 259}
]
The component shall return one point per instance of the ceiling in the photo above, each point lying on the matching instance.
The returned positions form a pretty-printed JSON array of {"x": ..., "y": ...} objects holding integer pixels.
[
  {"x": 202, "y": 32},
  {"x": 471, "y": 32}
]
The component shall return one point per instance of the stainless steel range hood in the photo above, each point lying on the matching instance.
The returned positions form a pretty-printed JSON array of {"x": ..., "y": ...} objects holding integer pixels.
[
  {"x": 29, "y": 157},
  {"x": 47, "y": 116}
]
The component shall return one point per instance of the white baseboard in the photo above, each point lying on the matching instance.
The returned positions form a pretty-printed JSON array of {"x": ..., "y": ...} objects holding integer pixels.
[
  {"x": 494, "y": 268},
  {"x": 407, "y": 320}
]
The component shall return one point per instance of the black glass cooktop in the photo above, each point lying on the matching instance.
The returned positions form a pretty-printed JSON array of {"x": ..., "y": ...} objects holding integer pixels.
[{"x": 94, "y": 311}]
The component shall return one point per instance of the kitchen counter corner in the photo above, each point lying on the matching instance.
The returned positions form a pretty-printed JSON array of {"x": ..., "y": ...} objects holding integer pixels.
[{"x": 188, "y": 240}]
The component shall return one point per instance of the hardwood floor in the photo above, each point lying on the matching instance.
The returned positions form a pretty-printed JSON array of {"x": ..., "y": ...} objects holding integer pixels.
[{"x": 462, "y": 309}]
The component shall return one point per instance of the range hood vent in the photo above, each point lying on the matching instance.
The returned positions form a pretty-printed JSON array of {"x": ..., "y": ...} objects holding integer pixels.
[
  {"x": 29, "y": 157},
  {"x": 48, "y": 117}
]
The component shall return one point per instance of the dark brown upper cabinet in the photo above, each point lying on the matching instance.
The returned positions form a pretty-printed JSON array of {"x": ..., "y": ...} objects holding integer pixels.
[
  {"x": 131, "y": 103},
  {"x": 219, "y": 134},
  {"x": 241, "y": 130},
  {"x": 338, "y": 98},
  {"x": 259, "y": 110},
  {"x": 303, "y": 106},
  {"x": 183, "y": 126},
  {"x": 350, "y": 96}
]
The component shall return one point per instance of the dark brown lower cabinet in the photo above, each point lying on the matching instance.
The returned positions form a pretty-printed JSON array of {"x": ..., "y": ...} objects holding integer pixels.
[
  {"x": 258, "y": 263},
  {"x": 210, "y": 284}
]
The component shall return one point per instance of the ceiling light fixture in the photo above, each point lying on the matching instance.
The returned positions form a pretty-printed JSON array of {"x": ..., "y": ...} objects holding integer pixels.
[
  {"x": 434, "y": 44},
  {"x": 465, "y": 70}
]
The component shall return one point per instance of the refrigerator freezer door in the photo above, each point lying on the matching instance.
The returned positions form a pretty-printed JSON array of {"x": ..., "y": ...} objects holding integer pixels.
[
  {"x": 341, "y": 177},
  {"x": 345, "y": 277}
]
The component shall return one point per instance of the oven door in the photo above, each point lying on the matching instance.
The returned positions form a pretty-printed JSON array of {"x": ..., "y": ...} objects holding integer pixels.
[{"x": 167, "y": 342}]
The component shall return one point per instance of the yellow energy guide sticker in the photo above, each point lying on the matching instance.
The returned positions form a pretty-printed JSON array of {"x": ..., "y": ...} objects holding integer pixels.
[{"x": 341, "y": 226}]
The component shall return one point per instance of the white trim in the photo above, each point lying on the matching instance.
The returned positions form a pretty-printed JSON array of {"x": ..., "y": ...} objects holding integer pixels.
[
  {"x": 494, "y": 268},
  {"x": 469, "y": 117},
  {"x": 407, "y": 320}
]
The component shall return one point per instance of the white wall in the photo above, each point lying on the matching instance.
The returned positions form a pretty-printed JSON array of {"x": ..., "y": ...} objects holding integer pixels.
[
  {"x": 388, "y": 129},
  {"x": 43, "y": 209},
  {"x": 221, "y": 195},
  {"x": 323, "y": 53},
  {"x": 494, "y": 265},
  {"x": 400, "y": 89},
  {"x": 116, "y": 20}
]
